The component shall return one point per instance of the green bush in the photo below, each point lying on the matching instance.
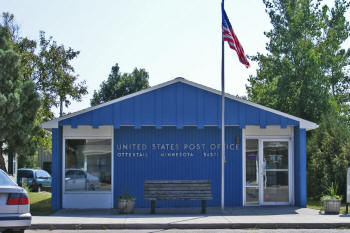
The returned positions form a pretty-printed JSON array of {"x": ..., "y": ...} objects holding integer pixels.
[{"x": 328, "y": 152}]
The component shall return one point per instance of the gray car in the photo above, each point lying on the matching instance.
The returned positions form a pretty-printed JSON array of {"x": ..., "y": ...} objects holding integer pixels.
[{"x": 14, "y": 205}]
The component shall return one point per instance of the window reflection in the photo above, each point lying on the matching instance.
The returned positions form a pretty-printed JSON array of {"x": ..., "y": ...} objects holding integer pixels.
[
  {"x": 276, "y": 155},
  {"x": 252, "y": 162},
  {"x": 88, "y": 165},
  {"x": 276, "y": 188},
  {"x": 252, "y": 171}
]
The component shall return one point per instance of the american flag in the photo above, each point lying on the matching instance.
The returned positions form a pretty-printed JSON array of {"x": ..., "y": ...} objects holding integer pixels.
[{"x": 229, "y": 36}]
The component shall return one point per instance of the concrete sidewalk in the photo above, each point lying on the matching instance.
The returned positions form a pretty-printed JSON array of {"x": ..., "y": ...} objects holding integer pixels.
[{"x": 188, "y": 218}]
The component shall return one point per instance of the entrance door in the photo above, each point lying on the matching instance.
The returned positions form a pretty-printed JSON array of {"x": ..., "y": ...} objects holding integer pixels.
[
  {"x": 267, "y": 172},
  {"x": 274, "y": 176}
]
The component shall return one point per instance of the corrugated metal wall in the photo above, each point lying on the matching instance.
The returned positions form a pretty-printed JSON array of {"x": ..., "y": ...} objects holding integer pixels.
[{"x": 175, "y": 154}]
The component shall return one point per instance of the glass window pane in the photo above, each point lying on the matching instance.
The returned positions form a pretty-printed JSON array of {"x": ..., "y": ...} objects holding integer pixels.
[
  {"x": 252, "y": 162},
  {"x": 276, "y": 155},
  {"x": 276, "y": 186},
  {"x": 88, "y": 165},
  {"x": 252, "y": 195},
  {"x": 252, "y": 172}
]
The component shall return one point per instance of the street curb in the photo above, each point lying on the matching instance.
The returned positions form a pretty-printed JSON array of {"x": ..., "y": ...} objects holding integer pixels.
[{"x": 192, "y": 226}]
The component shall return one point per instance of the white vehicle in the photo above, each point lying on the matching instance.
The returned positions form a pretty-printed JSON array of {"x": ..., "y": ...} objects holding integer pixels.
[
  {"x": 14, "y": 205},
  {"x": 77, "y": 180}
]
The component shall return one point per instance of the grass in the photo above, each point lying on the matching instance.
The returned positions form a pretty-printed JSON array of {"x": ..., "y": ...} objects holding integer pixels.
[
  {"x": 40, "y": 203},
  {"x": 317, "y": 204}
]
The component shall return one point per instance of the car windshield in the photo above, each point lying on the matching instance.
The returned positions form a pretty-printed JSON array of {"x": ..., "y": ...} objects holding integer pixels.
[
  {"x": 42, "y": 174},
  {"x": 5, "y": 180}
]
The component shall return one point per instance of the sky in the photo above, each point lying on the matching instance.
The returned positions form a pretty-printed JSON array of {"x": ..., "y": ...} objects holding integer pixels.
[{"x": 168, "y": 38}]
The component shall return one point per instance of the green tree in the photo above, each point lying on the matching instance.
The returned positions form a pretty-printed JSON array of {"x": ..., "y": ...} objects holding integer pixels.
[
  {"x": 306, "y": 71},
  {"x": 120, "y": 84},
  {"x": 328, "y": 150},
  {"x": 48, "y": 65},
  {"x": 55, "y": 77},
  {"x": 19, "y": 101}
]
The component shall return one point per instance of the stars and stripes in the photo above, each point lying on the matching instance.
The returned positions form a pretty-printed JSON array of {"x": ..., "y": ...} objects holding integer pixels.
[{"x": 229, "y": 36}]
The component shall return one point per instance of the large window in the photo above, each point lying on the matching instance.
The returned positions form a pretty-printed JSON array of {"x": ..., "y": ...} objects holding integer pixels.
[{"x": 88, "y": 165}]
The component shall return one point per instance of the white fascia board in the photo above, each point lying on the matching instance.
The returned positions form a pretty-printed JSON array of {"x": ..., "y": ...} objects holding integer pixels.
[
  {"x": 53, "y": 124},
  {"x": 304, "y": 124}
]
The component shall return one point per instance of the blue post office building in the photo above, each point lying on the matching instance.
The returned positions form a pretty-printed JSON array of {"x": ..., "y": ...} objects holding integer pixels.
[{"x": 172, "y": 132}]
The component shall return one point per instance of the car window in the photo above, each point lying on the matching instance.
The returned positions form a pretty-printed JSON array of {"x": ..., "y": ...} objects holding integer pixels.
[
  {"x": 69, "y": 174},
  {"x": 80, "y": 174},
  {"x": 20, "y": 173},
  {"x": 5, "y": 180},
  {"x": 25, "y": 173},
  {"x": 42, "y": 173}
]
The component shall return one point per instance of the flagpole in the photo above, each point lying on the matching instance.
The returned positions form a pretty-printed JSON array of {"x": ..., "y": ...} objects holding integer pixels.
[{"x": 222, "y": 120}]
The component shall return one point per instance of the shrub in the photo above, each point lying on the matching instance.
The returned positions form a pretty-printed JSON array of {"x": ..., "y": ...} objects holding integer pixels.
[{"x": 328, "y": 157}]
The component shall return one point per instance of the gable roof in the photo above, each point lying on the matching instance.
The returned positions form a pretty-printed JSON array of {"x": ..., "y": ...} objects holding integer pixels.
[{"x": 308, "y": 125}]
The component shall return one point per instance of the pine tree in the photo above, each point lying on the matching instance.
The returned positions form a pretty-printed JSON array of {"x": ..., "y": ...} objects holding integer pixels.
[{"x": 19, "y": 101}]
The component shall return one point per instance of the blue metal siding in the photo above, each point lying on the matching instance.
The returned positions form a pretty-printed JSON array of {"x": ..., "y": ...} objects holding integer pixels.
[
  {"x": 300, "y": 166},
  {"x": 169, "y": 98},
  {"x": 56, "y": 201},
  {"x": 178, "y": 105},
  {"x": 148, "y": 110},
  {"x": 131, "y": 172},
  {"x": 190, "y": 100}
]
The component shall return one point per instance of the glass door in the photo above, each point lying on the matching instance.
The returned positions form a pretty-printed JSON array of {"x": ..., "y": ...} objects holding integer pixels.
[
  {"x": 275, "y": 178},
  {"x": 267, "y": 172}
]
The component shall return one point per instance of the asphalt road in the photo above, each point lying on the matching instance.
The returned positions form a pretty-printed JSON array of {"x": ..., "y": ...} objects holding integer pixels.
[{"x": 198, "y": 231}]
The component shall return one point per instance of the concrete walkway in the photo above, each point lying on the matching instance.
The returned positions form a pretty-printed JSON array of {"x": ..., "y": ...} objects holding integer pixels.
[{"x": 188, "y": 218}]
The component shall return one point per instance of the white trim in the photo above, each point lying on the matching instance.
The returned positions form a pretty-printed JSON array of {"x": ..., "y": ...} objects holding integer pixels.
[
  {"x": 308, "y": 125},
  {"x": 261, "y": 171},
  {"x": 83, "y": 130},
  {"x": 269, "y": 137},
  {"x": 270, "y": 130},
  {"x": 277, "y": 170}
]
